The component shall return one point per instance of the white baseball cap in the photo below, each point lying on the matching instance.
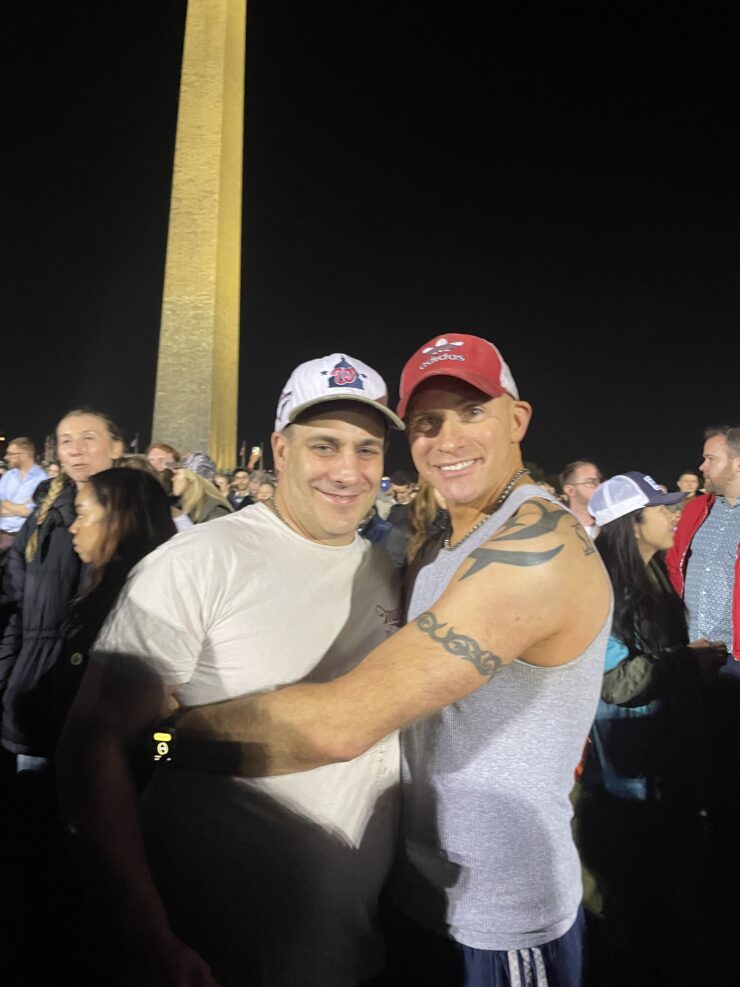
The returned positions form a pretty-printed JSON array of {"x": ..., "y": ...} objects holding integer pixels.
[
  {"x": 625, "y": 493},
  {"x": 333, "y": 378}
]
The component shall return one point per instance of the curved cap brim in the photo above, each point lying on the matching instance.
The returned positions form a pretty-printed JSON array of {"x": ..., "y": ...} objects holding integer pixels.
[
  {"x": 390, "y": 416},
  {"x": 666, "y": 499},
  {"x": 483, "y": 384}
]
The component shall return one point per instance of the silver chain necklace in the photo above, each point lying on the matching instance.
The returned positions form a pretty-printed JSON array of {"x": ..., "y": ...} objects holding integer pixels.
[
  {"x": 274, "y": 508},
  {"x": 499, "y": 501}
]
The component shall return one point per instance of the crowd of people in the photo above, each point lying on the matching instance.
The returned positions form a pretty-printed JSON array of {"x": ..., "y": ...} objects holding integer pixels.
[{"x": 321, "y": 726}]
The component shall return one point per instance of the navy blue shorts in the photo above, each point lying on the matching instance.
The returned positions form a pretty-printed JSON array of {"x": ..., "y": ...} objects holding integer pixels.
[{"x": 419, "y": 957}]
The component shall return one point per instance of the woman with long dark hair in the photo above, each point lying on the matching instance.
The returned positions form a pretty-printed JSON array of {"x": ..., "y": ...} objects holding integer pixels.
[
  {"x": 639, "y": 801},
  {"x": 121, "y": 516}
]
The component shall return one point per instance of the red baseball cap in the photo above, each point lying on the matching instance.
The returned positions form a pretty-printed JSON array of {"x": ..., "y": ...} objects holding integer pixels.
[{"x": 468, "y": 358}]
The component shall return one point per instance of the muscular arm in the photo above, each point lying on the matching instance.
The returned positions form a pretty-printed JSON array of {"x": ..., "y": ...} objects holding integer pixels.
[{"x": 536, "y": 590}]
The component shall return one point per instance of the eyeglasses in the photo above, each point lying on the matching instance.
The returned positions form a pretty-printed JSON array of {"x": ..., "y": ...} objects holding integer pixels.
[{"x": 591, "y": 482}]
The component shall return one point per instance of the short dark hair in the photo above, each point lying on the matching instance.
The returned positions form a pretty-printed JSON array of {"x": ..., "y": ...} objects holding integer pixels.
[
  {"x": 730, "y": 432},
  {"x": 402, "y": 478},
  {"x": 23, "y": 442},
  {"x": 566, "y": 474}
]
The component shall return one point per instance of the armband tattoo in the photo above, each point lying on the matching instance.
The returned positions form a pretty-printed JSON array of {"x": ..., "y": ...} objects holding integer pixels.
[{"x": 459, "y": 645}]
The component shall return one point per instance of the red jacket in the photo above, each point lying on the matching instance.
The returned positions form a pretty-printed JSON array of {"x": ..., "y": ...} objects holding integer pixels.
[{"x": 677, "y": 558}]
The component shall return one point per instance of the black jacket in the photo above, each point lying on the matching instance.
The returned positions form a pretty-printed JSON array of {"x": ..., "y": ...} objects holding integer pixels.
[{"x": 35, "y": 596}]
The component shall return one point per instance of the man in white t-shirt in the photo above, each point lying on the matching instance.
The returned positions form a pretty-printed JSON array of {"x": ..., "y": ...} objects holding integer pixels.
[{"x": 269, "y": 881}]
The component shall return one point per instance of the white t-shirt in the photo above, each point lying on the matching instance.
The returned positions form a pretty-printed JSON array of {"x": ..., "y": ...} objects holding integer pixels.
[{"x": 281, "y": 874}]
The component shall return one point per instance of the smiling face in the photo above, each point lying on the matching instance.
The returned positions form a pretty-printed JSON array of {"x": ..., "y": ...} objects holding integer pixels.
[
  {"x": 241, "y": 481},
  {"x": 465, "y": 443},
  {"x": 655, "y": 530},
  {"x": 89, "y": 528},
  {"x": 159, "y": 458},
  {"x": 330, "y": 465},
  {"x": 85, "y": 446}
]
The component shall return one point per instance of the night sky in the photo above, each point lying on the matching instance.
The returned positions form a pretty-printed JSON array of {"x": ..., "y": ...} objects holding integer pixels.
[{"x": 564, "y": 183}]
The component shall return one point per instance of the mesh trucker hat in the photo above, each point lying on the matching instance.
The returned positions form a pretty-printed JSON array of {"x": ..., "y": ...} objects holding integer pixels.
[
  {"x": 196, "y": 462},
  {"x": 627, "y": 492},
  {"x": 333, "y": 378},
  {"x": 468, "y": 358}
]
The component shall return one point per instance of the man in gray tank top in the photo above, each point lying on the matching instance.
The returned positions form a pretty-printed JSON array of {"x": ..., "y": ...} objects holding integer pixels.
[{"x": 495, "y": 677}]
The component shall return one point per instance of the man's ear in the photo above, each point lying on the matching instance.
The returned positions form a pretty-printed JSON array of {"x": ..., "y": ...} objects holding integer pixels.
[
  {"x": 279, "y": 442},
  {"x": 521, "y": 415}
]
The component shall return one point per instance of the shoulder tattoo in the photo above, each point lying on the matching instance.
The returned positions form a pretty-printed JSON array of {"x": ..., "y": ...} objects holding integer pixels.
[
  {"x": 583, "y": 537},
  {"x": 520, "y": 531}
]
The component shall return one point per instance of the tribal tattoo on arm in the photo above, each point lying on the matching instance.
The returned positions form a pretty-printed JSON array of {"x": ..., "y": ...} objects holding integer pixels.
[
  {"x": 459, "y": 645},
  {"x": 516, "y": 530}
]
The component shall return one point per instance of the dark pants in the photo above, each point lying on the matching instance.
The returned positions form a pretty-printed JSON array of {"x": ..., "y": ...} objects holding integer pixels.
[
  {"x": 644, "y": 871},
  {"x": 6, "y": 541},
  {"x": 44, "y": 921},
  {"x": 419, "y": 958},
  {"x": 720, "y": 902}
]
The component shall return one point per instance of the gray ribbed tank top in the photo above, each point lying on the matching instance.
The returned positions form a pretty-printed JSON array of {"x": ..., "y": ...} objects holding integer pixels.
[{"x": 487, "y": 854}]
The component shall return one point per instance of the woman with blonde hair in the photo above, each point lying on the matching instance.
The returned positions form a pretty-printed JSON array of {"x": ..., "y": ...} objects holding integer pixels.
[
  {"x": 193, "y": 483},
  {"x": 42, "y": 576},
  {"x": 415, "y": 540},
  {"x": 121, "y": 516}
]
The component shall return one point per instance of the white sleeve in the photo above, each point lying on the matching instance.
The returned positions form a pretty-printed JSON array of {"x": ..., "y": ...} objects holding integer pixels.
[{"x": 156, "y": 629}]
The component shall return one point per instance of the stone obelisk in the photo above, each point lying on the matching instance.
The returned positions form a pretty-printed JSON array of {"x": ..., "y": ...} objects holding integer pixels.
[{"x": 195, "y": 403}]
